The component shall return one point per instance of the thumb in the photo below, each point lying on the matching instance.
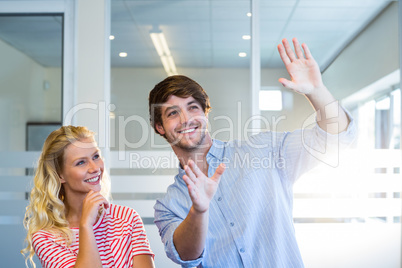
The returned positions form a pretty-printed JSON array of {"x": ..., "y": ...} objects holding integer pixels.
[
  {"x": 106, "y": 204},
  {"x": 287, "y": 83},
  {"x": 218, "y": 172}
]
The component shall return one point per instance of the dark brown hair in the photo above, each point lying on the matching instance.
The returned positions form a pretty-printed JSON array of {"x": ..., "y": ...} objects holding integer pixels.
[{"x": 177, "y": 85}]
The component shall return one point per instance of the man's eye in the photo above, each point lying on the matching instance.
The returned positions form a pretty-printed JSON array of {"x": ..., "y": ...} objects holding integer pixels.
[
  {"x": 193, "y": 107},
  {"x": 172, "y": 113},
  {"x": 96, "y": 156}
]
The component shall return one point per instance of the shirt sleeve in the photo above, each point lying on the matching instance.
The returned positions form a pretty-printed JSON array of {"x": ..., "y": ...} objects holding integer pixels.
[
  {"x": 51, "y": 253},
  {"x": 170, "y": 212},
  {"x": 139, "y": 242},
  {"x": 304, "y": 149}
]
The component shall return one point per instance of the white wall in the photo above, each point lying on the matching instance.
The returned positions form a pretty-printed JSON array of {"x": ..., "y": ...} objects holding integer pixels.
[
  {"x": 23, "y": 96},
  {"x": 228, "y": 89},
  {"x": 371, "y": 56}
]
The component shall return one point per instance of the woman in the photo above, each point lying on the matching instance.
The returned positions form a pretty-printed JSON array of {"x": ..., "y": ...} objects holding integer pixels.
[{"x": 69, "y": 220}]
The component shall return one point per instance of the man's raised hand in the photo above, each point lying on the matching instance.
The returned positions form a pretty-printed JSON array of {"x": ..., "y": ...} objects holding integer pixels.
[{"x": 304, "y": 71}]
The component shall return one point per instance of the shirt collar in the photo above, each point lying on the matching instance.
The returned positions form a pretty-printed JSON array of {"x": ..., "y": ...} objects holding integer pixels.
[{"x": 217, "y": 149}]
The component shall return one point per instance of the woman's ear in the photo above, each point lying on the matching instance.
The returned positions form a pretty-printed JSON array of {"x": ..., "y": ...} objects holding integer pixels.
[{"x": 62, "y": 180}]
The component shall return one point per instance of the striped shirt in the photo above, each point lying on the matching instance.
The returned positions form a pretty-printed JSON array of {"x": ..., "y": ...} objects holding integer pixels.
[
  {"x": 250, "y": 216},
  {"x": 119, "y": 234}
]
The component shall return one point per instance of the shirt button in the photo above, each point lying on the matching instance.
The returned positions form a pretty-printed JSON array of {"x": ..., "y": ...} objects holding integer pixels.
[
  {"x": 242, "y": 250},
  {"x": 232, "y": 224},
  {"x": 220, "y": 199}
]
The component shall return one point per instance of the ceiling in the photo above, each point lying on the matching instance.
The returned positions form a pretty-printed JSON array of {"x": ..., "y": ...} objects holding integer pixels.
[{"x": 204, "y": 34}]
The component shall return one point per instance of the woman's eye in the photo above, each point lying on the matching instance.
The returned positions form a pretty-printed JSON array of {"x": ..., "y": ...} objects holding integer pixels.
[{"x": 80, "y": 163}]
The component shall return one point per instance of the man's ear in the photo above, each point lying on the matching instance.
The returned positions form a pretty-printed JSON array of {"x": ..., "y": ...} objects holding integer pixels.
[{"x": 160, "y": 128}]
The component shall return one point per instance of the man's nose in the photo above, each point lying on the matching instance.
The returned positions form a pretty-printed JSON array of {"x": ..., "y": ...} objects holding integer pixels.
[{"x": 184, "y": 117}]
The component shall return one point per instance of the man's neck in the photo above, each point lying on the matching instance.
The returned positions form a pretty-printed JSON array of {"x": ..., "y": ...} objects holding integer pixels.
[{"x": 198, "y": 155}]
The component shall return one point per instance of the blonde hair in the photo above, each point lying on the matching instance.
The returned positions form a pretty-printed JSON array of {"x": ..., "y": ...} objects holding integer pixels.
[{"x": 46, "y": 210}]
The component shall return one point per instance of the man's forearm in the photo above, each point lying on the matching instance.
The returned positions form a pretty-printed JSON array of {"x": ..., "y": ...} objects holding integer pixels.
[
  {"x": 189, "y": 237},
  {"x": 330, "y": 116}
]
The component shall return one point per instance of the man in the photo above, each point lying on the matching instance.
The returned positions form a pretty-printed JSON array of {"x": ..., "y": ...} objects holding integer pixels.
[{"x": 223, "y": 213}]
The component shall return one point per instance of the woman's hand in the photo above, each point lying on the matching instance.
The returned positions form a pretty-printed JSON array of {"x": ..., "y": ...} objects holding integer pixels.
[{"x": 90, "y": 208}]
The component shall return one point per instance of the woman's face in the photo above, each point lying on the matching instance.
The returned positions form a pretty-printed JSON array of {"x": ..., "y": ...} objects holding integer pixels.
[{"x": 83, "y": 168}]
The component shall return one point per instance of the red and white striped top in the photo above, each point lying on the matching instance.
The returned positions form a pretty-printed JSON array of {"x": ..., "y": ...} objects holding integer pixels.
[{"x": 119, "y": 234}]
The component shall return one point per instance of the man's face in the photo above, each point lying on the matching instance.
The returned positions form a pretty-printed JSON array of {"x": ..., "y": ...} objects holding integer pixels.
[{"x": 184, "y": 123}]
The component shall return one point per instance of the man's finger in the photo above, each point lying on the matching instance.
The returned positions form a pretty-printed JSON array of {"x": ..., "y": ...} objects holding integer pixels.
[
  {"x": 187, "y": 180},
  {"x": 192, "y": 192},
  {"x": 307, "y": 51},
  {"x": 288, "y": 50},
  {"x": 189, "y": 173},
  {"x": 298, "y": 50},
  {"x": 195, "y": 168},
  {"x": 218, "y": 172},
  {"x": 283, "y": 55}
]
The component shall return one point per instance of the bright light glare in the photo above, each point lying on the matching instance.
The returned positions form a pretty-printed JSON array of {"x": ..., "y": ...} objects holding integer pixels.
[
  {"x": 246, "y": 37},
  {"x": 111, "y": 37},
  {"x": 270, "y": 100},
  {"x": 242, "y": 54},
  {"x": 123, "y": 54},
  {"x": 396, "y": 96},
  {"x": 383, "y": 104}
]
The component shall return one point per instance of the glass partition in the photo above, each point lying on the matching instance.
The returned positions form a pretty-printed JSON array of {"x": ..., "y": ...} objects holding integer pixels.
[
  {"x": 30, "y": 108},
  {"x": 209, "y": 41}
]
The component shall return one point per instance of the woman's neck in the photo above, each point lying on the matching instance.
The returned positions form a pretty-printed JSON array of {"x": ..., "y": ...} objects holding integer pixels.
[{"x": 73, "y": 211}]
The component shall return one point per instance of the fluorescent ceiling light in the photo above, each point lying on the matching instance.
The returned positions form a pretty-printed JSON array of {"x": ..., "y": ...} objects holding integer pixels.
[
  {"x": 242, "y": 54},
  {"x": 248, "y": 14},
  {"x": 270, "y": 100},
  {"x": 123, "y": 54},
  {"x": 159, "y": 41},
  {"x": 246, "y": 37},
  {"x": 111, "y": 37}
]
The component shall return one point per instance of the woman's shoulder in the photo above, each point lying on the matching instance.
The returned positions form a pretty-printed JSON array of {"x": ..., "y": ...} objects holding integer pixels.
[
  {"x": 44, "y": 233},
  {"x": 47, "y": 235},
  {"x": 122, "y": 212}
]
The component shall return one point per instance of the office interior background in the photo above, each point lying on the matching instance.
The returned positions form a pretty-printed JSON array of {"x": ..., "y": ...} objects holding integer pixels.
[{"x": 93, "y": 63}]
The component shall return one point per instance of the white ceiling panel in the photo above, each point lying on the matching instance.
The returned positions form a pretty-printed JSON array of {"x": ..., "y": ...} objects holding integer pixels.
[
  {"x": 205, "y": 34},
  {"x": 330, "y": 14},
  {"x": 343, "y": 3}
]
